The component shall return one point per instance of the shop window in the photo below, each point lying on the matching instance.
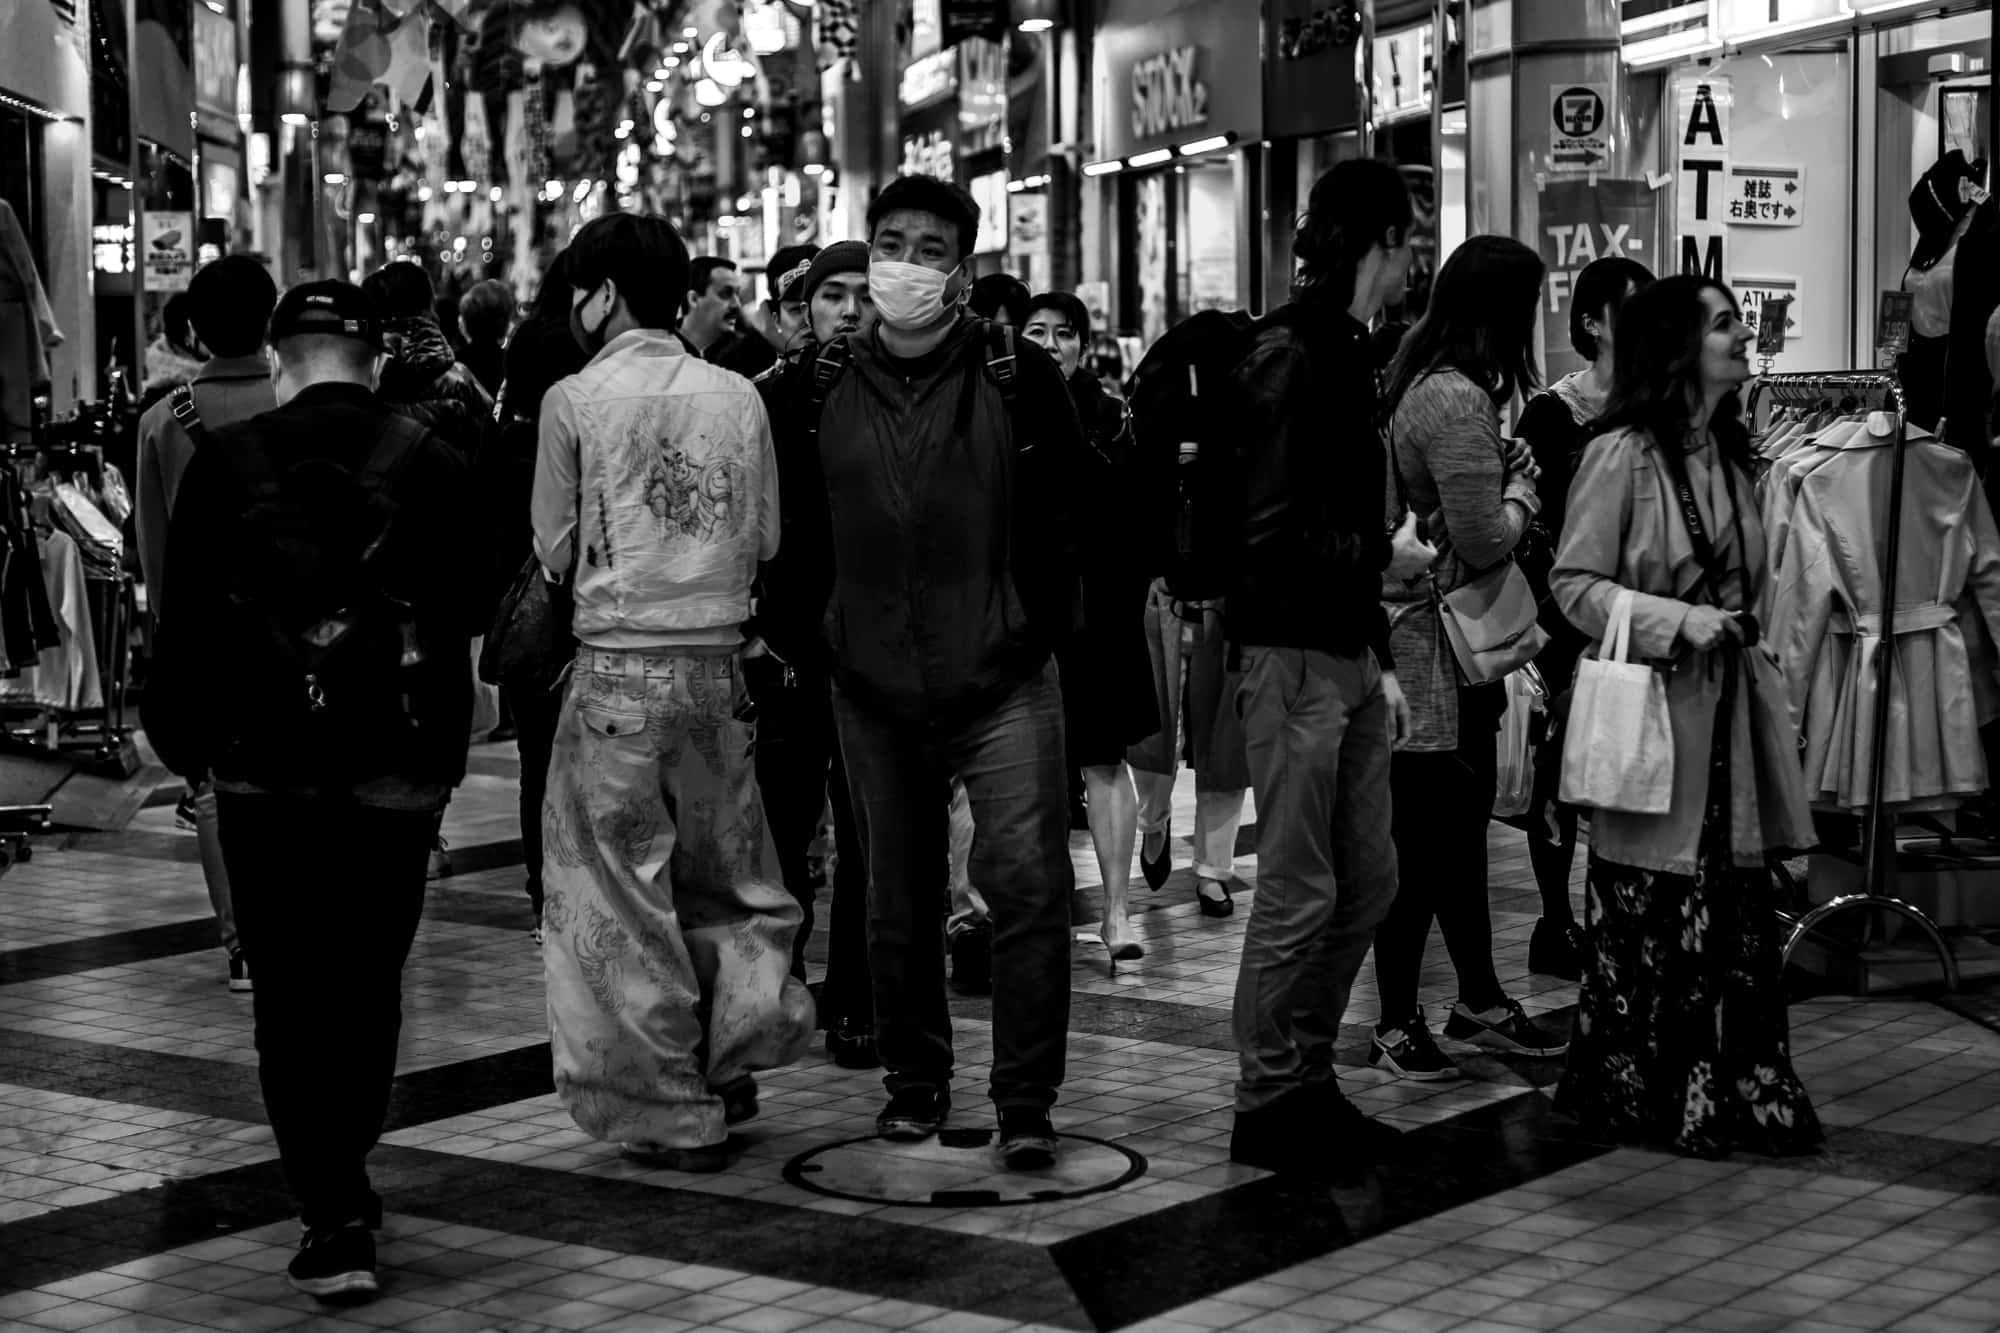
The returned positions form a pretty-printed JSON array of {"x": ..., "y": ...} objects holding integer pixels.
[{"x": 1205, "y": 275}]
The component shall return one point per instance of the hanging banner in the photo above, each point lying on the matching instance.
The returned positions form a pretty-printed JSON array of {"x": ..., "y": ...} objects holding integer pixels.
[
  {"x": 1701, "y": 174},
  {"x": 1767, "y": 196},
  {"x": 169, "y": 251},
  {"x": 1583, "y": 223}
]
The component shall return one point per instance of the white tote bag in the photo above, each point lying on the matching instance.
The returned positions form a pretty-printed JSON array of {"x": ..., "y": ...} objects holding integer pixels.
[{"x": 1619, "y": 752}]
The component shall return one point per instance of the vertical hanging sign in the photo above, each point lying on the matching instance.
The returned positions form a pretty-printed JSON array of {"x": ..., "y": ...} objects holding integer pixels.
[{"x": 1701, "y": 175}]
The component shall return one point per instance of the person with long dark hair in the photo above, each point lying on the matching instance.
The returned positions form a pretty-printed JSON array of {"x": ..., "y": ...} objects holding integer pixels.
[
  {"x": 540, "y": 352},
  {"x": 1681, "y": 1026},
  {"x": 1474, "y": 494},
  {"x": 1557, "y": 424}
]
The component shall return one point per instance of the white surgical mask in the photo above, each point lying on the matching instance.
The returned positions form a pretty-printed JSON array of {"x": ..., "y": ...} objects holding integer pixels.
[{"x": 907, "y": 296}]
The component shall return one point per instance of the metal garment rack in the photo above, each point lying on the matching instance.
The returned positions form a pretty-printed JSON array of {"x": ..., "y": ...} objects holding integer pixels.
[{"x": 1870, "y": 390}]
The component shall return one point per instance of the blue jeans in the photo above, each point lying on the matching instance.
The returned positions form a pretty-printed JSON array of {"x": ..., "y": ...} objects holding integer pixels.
[{"x": 1011, "y": 762}]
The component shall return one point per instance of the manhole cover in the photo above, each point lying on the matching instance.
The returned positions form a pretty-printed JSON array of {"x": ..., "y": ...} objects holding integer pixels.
[{"x": 959, "y": 1169}]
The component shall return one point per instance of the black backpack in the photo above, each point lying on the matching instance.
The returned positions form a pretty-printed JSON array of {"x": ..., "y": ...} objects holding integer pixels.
[
  {"x": 322, "y": 657},
  {"x": 1188, "y": 426}
]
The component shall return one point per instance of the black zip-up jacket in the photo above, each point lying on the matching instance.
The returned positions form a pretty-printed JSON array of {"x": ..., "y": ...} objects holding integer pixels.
[
  {"x": 933, "y": 527},
  {"x": 1315, "y": 471}
]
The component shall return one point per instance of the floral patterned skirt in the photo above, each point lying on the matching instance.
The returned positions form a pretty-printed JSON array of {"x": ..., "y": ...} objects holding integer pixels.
[{"x": 1681, "y": 1035}]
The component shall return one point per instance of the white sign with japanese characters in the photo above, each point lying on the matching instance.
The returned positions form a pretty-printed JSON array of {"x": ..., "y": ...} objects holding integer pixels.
[
  {"x": 1765, "y": 196},
  {"x": 1752, "y": 293}
]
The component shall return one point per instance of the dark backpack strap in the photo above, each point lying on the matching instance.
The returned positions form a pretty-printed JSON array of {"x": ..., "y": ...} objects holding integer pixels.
[
  {"x": 181, "y": 402},
  {"x": 400, "y": 440},
  {"x": 827, "y": 368},
  {"x": 1001, "y": 362}
]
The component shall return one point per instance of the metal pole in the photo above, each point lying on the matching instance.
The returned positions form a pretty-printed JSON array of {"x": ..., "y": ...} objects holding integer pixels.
[{"x": 1879, "y": 850}]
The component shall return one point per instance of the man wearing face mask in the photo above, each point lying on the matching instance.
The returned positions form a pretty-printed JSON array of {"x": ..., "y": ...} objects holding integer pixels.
[
  {"x": 948, "y": 454},
  {"x": 323, "y": 551},
  {"x": 656, "y": 494},
  {"x": 791, "y": 669}
]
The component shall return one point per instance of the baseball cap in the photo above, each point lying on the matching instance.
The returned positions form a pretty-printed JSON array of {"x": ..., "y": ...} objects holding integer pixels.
[
  {"x": 330, "y": 308},
  {"x": 790, "y": 265},
  {"x": 1936, "y": 205}
]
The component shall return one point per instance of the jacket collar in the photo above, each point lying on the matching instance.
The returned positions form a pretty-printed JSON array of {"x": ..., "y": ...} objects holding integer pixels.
[
  {"x": 333, "y": 391},
  {"x": 648, "y": 342},
  {"x": 256, "y": 366}
]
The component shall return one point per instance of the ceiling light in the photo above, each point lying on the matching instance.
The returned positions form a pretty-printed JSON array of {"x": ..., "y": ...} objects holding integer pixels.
[
  {"x": 814, "y": 168},
  {"x": 496, "y": 194},
  {"x": 1102, "y": 168},
  {"x": 294, "y": 118},
  {"x": 1151, "y": 159},
  {"x": 1036, "y": 25},
  {"x": 655, "y": 86},
  {"x": 364, "y": 218},
  {"x": 334, "y": 178},
  {"x": 1200, "y": 146}
]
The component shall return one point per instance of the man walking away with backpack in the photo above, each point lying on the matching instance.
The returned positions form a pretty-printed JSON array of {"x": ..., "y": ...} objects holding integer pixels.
[
  {"x": 321, "y": 552},
  {"x": 1319, "y": 701},
  {"x": 668, "y": 933},
  {"x": 230, "y": 304},
  {"x": 949, "y": 450}
]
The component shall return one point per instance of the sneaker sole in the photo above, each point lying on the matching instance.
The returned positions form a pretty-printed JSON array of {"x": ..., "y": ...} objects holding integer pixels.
[
  {"x": 360, "y": 1282},
  {"x": 1500, "y": 1041},
  {"x": 907, "y": 1131},
  {"x": 1378, "y": 1056},
  {"x": 1028, "y": 1154},
  {"x": 240, "y": 987}
]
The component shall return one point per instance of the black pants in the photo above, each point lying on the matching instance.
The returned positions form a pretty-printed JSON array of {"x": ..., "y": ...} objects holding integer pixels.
[
  {"x": 798, "y": 771},
  {"x": 328, "y": 897},
  {"x": 1442, "y": 804},
  {"x": 536, "y": 713}
]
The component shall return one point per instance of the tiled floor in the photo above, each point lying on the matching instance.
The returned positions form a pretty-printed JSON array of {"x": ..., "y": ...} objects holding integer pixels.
[{"x": 139, "y": 1187}]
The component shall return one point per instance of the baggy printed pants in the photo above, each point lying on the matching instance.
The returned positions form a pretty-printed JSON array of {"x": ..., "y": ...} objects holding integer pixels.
[{"x": 669, "y": 932}]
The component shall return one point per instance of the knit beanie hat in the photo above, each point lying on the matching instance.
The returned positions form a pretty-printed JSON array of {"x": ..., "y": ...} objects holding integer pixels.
[{"x": 840, "y": 257}]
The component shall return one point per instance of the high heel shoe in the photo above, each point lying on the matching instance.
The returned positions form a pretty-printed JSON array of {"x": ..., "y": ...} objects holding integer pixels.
[
  {"x": 1156, "y": 869},
  {"x": 1216, "y": 907}
]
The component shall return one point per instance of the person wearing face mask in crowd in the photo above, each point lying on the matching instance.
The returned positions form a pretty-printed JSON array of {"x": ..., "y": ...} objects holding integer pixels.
[
  {"x": 655, "y": 495},
  {"x": 331, "y": 763},
  {"x": 1108, "y": 703},
  {"x": 786, "y": 320},
  {"x": 949, "y": 464},
  {"x": 791, "y": 669},
  {"x": 713, "y": 327}
]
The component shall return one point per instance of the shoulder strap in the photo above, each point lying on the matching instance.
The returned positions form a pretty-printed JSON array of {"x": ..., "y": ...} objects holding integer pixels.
[
  {"x": 826, "y": 371},
  {"x": 1704, "y": 549},
  {"x": 1000, "y": 360},
  {"x": 181, "y": 402},
  {"x": 400, "y": 439}
]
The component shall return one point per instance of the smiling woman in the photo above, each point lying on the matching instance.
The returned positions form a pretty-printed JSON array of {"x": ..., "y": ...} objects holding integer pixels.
[{"x": 1680, "y": 1031}]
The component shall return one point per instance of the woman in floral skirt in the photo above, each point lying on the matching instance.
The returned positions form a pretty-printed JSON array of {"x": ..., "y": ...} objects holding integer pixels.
[{"x": 1681, "y": 1031}]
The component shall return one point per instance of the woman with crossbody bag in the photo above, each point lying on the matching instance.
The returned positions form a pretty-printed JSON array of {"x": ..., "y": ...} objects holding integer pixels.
[
  {"x": 1452, "y": 630},
  {"x": 1681, "y": 1027}
]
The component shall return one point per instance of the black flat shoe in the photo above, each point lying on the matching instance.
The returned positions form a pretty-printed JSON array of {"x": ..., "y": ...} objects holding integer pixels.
[
  {"x": 1217, "y": 907},
  {"x": 1157, "y": 870}
]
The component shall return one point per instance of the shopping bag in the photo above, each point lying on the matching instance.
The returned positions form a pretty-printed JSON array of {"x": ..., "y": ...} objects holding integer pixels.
[
  {"x": 1514, "y": 784},
  {"x": 1619, "y": 752}
]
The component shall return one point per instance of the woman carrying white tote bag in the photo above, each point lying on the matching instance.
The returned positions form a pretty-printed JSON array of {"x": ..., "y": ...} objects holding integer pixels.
[{"x": 1619, "y": 751}]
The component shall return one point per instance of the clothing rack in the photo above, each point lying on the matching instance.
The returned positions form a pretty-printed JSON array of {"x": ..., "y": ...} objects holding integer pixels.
[{"x": 1869, "y": 390}]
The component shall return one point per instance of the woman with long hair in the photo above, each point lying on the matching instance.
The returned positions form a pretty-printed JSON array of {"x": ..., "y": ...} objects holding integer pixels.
[
  {"x": 1557, "y": 424},
  {"x": 1681, "y": 1026},
  {"x": 1474, "y": 494}
]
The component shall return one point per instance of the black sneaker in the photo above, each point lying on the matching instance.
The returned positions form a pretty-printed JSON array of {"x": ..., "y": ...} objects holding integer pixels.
[
  {"x": 739, "y": 1100},
  {"x": 336, "y": 1265},
  {"x": 1556, "y": 950},
  {"x": 914, "y": 1114},
  {"x": 1027, "y": 1139},
  {"x": 239, "y": 971},
  {"x": 1348, "y": 1125},
  {"x": 1505, "y": 1028},
  {"x": 1411, "y": 1051},
  {"x": 972, "y": 960},
  {"x": 699, "y": 1161},
  {"x": 851, "y": 1043},
  {"x": 184, "y": 814}
]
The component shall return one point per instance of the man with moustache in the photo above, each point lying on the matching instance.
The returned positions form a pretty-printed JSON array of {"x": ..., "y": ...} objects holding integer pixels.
[{"x": 791, "y": 668}]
